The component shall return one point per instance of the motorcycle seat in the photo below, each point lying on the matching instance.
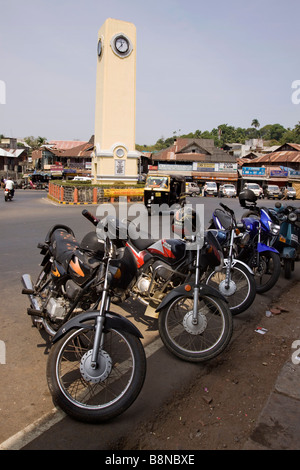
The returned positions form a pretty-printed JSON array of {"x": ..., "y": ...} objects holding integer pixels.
[
  {"x": 142, "y": 243},
  {"x": 63, "y": 245}
]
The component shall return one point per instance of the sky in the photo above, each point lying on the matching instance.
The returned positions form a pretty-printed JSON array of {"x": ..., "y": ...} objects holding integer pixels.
[{"x": 199, "y": 64}]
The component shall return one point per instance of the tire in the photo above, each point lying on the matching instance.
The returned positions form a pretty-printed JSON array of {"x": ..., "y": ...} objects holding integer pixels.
[
  {"x": 242, "y": 291},
  {"x": 122, "y": 374},
  {"x": 267, "y": 273},
  {"x": 288, "y": 267},
  {"x": 196, "y": 343}
]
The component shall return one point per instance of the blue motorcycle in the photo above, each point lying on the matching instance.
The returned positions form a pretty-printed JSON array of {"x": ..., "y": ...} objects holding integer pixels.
[
  {"x": 288, "y": 240},
  {"x": 257, "y": 249}
]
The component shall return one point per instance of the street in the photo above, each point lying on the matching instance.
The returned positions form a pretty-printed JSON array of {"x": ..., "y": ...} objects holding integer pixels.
[{"x": 23, "y": 389}]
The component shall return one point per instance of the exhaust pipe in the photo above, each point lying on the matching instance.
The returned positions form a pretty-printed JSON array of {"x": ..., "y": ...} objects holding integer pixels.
[
  {"x": 27, "y": 282},
  {"x": 26, "y": 279}
]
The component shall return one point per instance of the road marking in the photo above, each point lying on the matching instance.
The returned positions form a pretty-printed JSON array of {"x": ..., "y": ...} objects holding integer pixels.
[{"x": 41, "y": 425}]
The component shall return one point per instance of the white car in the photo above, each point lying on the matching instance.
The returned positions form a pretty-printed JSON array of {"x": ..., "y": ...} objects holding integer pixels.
[
  {"x": 258, "y": 191},
  {"x": 211, "y": 189},
  {"x": 82, "y": 178},
  {"x": 227, "y": 190},
  {"x": 192, "y": 188}
]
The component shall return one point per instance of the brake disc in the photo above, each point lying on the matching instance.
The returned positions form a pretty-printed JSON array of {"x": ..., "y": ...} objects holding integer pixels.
[
  {"x": 227, "y": 292},
  {"x": 190, "y": 327},
  {"x": 101, "y": 372}
]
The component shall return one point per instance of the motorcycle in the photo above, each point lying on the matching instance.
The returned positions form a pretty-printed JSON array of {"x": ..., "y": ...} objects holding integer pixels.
[
  {"x": 288, "y": 240},
  {"x": 235, "y": 281},
  {"x": 157, "y": 273},
  {"x": 258, "y": 251},
  {"x": 97, "y": 365},
  {"x": 8, "y": 194}
]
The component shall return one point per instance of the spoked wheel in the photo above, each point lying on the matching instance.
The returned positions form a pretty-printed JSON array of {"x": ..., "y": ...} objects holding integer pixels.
[
  {"x": 241, "y": 291},
  {"x": 200, "y": 341},
  {"x": 95, "y": 395},
  {"x": 266, "y": 270}
]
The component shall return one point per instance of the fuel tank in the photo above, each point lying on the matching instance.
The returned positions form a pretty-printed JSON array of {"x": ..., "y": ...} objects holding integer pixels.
[{"x": 169, "y": 250}]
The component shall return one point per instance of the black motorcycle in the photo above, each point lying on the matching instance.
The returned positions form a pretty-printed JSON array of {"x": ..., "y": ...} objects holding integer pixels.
[{"x": 236, "y": 280}]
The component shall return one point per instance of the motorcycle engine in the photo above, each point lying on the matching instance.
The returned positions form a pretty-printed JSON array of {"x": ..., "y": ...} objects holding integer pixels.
[
  {"x": 143, "y": 283},
  {"x": 56, "y": 309},
  {"x": 162, "y": 270}
]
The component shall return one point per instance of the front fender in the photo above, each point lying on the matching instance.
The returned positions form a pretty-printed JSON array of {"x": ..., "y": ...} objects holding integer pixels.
[
  {"x": 181, "y": 291},
  {"x": 289, "y": 252},
  {"x": 236, "y": 262},
  {"x": 261, "y": 247},
  {"x": 112, "y": 321}
]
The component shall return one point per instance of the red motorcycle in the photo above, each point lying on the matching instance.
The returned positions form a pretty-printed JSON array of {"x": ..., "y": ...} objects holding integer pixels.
[{"x": 8, "y": 194}]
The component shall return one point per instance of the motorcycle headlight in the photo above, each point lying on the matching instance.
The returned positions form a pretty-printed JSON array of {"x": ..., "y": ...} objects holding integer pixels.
[
  {"x": 292, "y": 217},
  {"x": 244, "y": 240},
  {"x": 274, "y": 228}
]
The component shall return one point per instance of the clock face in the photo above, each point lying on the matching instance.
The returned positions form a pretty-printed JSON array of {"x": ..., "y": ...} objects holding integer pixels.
[
  {"x": 122, "y": 44},
  {"x": 99, "y": 48}
]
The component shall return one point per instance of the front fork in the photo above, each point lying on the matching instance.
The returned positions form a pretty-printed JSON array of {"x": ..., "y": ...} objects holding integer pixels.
[
  {"x": 196, "y": 287},
  {"x": 228, "y": 265},
  {"x": 104, "y": 307}
]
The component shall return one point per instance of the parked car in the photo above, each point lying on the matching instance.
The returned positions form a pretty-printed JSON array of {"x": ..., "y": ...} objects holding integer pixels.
[
  {"x": 258, "y": 191},
  {"x": 192, "y": 188},
  {"x": 272, "y": 191},
  {"x": 288, "y": 193},
  {"x": 211, "y": 189},
  {"x": 82, "y": 178},
  {"x": 227, "y": 190}
]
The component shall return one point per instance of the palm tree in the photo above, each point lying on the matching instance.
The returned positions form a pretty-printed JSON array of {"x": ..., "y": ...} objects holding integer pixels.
[{"x": 255, "y": 124}]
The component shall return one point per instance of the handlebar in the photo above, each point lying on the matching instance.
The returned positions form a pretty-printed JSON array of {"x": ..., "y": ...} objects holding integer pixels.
[{"x": 90, "y": 217}]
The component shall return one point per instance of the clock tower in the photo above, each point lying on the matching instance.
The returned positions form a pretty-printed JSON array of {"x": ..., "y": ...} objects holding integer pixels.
[{"x": 115, "y": 158}]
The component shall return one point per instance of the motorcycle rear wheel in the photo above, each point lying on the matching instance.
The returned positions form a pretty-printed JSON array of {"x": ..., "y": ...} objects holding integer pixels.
[
  {"x": 94, "y": 396},
  {"x": 201, "y": 342}
]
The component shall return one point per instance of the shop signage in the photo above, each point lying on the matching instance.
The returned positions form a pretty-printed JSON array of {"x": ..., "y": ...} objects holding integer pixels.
[
  {"x": 174, "y": 167},
  {"x": 252, "y": 171},
  {"x": 279, "y": 173},
  {"x": 294, "y": 173}
]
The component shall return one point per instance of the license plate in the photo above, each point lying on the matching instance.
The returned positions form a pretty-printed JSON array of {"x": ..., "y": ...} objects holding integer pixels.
[{"x": 158, "y": 194}]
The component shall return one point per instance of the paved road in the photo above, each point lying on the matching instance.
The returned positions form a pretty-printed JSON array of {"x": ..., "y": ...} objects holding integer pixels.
[{"x": 23, "y": 389}]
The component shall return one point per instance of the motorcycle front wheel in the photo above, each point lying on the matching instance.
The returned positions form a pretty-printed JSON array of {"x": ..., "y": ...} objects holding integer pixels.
[
  {"x": 96, "y": 395},
  {"x": 196, "y": 342},
  {"x": 241, "y": 291},
  {"x": 266, "y": 270}
]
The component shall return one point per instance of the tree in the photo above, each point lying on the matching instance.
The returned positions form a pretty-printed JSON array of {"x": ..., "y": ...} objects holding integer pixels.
[
  {"x": 35, "y": 142},
  {"x": 255, "y": 123}
]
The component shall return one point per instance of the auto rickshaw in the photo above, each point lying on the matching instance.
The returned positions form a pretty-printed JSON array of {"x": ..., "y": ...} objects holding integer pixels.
[{"x": 164, "y": 189}]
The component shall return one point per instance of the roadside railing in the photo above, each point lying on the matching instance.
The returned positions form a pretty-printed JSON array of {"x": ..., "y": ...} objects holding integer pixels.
[{"x": 92, "y": 194}]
